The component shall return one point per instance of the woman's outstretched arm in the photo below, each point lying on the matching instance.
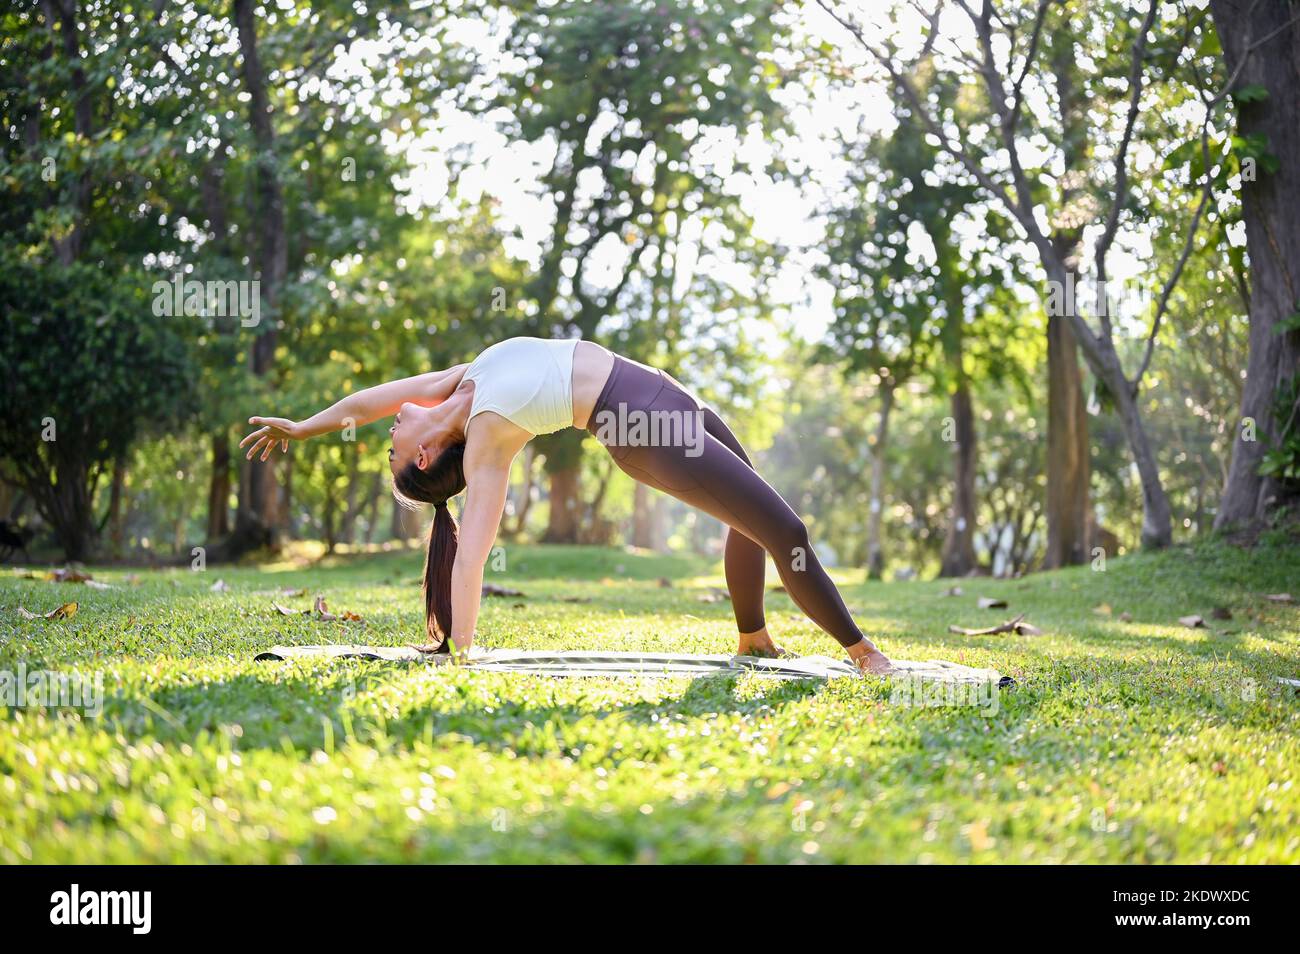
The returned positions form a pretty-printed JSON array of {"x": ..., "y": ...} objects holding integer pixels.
[
  {"x": 487, "y": 479},
  {"x": 429, "y": 389}
]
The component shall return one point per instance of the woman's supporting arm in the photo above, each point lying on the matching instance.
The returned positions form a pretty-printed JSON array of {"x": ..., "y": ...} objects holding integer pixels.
[
  {"x": 429, "y": 390},
  {"x": 487, "y": 482}
]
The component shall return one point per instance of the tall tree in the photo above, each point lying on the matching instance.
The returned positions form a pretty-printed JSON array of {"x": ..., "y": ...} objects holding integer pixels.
[
  {"x": 1261, "y": 45},
  {"x": 909, "y": 298},
  {"x": 86, "y": 366},
  {"x": 624, "y": 93},
  {"x": 1024, "y": 55}
]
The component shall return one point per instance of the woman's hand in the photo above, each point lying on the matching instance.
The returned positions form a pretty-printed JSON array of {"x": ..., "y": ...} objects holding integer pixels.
[{"x": 273, "y": 430}]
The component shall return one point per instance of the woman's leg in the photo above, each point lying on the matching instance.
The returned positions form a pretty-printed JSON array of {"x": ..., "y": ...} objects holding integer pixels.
[
  {"x": 698, "y": 469},
  {"x": 744, "y": 562}
]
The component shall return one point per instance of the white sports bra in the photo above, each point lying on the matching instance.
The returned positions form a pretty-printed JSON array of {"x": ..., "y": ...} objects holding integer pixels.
[{"x": 528, "y": 381}]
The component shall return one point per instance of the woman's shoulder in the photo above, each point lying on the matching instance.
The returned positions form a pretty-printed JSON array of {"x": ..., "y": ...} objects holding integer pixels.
[{"x": 493, "y": 437}]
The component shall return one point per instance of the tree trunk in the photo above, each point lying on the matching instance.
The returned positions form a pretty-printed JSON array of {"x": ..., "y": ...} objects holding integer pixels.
[
  {"x": 1068, "y": 467},
  {"x": 875, "y": 555},
  {"x": 1068, "y": 470},
  {"x": 219, "y": 487},
  {"x": 645, "y": 513},
  {"x": 406, "y": 524},
  {"x": 372, "y": 507},
  {"x": 563, "y": 452},
  {"x": 70, "y": 512},
  {"x": 562, "y": 524},
  {"x": 329, "y": 515},
  {"x": 959, "y": 546},
  {"x": 257, "y": 518},
  {"x": 67, "y": 247},
  {"x": 526, "y": 492},
  {"x": 116, "y": 510},
  {"x": 348, "y": 522},
  {"x": 1157, "y": 520},
  {"x": 1271, "y": 210}
]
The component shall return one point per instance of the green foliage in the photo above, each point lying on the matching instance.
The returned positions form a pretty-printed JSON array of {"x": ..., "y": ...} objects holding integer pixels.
[
  {"x": 81, "y": 352},
  {"x": 1250, "y": 93},
  {"x": 1282, "y": 458},
  {"x": 1290, "y": 323}
]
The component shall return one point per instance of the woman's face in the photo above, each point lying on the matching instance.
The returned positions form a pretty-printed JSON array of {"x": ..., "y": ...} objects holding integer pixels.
[{"x": 414, "y": 433}]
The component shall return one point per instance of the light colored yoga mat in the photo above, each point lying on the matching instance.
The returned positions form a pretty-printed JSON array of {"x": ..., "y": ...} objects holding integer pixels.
[{"x": 586, "y": 663}]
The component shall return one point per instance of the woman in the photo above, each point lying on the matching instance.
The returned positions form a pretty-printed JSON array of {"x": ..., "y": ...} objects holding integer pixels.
[{"x": 460, "y": 429}]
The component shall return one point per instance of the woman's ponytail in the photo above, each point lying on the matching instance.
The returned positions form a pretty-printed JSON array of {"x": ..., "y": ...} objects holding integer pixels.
[
  {"x": 437, "y": 576},
  {"x": 444, "y": 479}
]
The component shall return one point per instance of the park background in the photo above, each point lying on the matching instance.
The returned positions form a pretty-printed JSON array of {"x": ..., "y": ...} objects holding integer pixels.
[
  {"x": 993, "y": 289},
  {"x": 737, "y": 193}
]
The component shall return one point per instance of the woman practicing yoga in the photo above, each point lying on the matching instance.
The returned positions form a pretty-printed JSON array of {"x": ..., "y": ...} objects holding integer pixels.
[{"x": 460, "y": 429}]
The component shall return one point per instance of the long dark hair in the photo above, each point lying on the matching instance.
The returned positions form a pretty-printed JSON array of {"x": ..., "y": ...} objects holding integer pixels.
[{"x": 443, "y": 479}]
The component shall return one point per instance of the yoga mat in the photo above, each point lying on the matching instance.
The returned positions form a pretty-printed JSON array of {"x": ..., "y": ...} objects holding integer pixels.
[{"x": 586, "y": 663}]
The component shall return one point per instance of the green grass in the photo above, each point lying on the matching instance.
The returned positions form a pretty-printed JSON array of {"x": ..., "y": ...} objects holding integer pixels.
[{"x": 1125, "y": 741}]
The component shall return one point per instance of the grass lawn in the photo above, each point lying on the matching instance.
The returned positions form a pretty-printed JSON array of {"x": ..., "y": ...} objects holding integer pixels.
[{"x": 1130, "y": 738}]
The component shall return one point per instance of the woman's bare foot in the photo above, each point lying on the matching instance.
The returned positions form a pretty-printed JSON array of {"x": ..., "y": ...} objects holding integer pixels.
[
  {"x": 759, "y": 644},
  {"x": 870, "y": 660},
  {"x": 434, "y": 652}
]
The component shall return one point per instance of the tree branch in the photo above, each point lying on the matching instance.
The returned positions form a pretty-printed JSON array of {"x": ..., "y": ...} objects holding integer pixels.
[{"x": 1107, "y": 236}]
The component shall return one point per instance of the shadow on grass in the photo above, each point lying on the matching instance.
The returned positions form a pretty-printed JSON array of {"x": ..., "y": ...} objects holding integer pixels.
[{"x": 357, "y": 699}]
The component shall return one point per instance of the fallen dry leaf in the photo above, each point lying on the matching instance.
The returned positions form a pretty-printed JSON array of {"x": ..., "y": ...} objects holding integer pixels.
[
  {"x": 220, "y": 586},
  {"x": 351, "y": 617},
  {"x": 1279, "y": 597},
  {"x": 323, "y": 611},
  {"x": 285, "y": 611},
  {"x": 1126, "y": 617},
  {"x": 1102, "y": 610},
  {"x": 67, "y": 575},
  {"x": 96, "y": 585},
  {"x": 953, "y": 591},
  {"x": 990, "y": 602},
  {"x": 491, "y": 589},
  {"x": 1221, "y": 612},
  {"x": 1016, "y": 625},
  {"x": 26, "y": 615},
  {"x": 1192, "y": 622}
]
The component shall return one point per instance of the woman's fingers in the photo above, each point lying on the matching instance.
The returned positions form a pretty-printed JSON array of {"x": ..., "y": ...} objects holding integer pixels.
[
  {"x": 266, "y": 437},
  {"x": 257, "y": 433},
  {"x": 262, "y": 442}
]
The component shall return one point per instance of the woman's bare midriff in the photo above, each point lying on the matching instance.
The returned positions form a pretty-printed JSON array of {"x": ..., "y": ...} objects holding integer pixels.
[{"x": 591, "y": 367}]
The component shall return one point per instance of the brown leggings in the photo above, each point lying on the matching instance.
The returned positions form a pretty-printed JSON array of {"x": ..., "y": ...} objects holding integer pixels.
[{"x": 664, "y": 437}]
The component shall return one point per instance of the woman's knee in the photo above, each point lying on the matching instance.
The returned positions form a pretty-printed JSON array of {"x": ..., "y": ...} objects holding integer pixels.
[{"x": 788, "y": 536}]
